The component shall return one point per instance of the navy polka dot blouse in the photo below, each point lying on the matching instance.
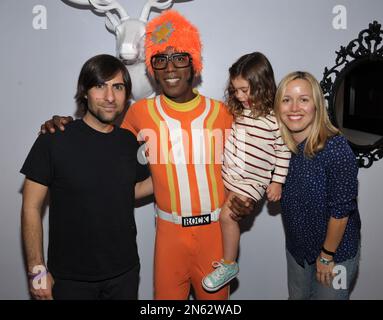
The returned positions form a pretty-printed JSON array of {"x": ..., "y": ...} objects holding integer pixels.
[{"x": 316, "y": 189}]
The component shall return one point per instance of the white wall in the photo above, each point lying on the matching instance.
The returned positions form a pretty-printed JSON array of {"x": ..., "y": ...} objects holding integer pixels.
[{"x": 39, "y": 70}]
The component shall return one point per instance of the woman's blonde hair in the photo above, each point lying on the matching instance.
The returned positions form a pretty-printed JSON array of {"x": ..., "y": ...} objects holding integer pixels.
[{"x": 321, "y": 130}]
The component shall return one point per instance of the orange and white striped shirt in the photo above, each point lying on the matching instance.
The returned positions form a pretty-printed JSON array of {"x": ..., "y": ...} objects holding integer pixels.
[
  {"x": 184, "y": 145},
  {"x": 255, "y": 155}
]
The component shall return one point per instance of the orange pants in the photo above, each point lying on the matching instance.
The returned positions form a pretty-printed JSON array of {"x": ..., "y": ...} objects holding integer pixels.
[{"x": 183, "y": 256}]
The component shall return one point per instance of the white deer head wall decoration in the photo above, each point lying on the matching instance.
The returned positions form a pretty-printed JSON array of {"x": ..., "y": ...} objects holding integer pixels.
[{"x": 129, "y": 34}]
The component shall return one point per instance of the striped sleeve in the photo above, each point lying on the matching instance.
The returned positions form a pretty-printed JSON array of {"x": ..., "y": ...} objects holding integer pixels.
[{"x": 282, "y": 154}]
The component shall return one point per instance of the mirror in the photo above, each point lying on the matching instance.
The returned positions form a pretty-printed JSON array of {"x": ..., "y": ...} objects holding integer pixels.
[{"x": 353, "y": 89}]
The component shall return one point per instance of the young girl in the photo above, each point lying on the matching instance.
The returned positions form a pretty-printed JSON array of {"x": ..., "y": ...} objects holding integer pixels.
[{"x": 255, "y": 158}]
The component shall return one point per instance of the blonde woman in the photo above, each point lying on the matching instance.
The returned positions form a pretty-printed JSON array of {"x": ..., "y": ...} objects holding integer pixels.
[{"x": 319, "y": 198}]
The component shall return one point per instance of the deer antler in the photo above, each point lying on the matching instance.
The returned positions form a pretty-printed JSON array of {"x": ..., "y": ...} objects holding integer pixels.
[
  {"x": 108, "y": 5},
  {"x": 156, "y": 4},
  {"x": 80, "y": 2}
]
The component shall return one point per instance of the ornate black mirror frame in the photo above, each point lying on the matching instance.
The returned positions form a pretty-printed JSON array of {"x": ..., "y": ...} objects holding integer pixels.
[{"x": 368, "y": 46}]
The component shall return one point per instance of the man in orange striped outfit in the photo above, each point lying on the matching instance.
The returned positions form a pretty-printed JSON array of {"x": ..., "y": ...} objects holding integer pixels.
[{"x": 184, "y": 134}]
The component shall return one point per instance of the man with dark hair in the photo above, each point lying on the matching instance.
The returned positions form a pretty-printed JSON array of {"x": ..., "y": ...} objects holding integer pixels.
[{"x": 93, "y": 176}]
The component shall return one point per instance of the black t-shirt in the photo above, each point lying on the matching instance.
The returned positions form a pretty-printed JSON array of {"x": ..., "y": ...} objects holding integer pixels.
[{"x": 91, "y": 178}]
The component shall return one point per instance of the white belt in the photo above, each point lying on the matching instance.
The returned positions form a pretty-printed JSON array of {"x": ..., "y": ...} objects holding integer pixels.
[{"x": 176, "y": 219}]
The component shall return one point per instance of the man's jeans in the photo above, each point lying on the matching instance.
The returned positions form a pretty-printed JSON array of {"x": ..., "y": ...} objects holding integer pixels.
[{"x": 303, "y": 285}]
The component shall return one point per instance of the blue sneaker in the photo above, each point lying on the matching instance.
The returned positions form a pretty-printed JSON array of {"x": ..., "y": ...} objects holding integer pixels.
[{"x": 222, "y": 274}]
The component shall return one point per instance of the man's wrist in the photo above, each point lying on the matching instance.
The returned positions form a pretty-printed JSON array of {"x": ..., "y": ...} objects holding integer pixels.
[{"x": 38, "y": 269}]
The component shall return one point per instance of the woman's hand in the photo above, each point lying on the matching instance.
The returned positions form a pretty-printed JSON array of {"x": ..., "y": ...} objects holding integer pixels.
[{"x": 325, "y": 265}]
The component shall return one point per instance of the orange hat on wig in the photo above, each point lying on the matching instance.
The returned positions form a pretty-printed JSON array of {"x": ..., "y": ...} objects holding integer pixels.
[{"x": 171, "y": 29}]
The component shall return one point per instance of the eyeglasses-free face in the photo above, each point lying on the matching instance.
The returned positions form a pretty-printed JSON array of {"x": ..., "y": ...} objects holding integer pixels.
[{"x": 179, "y": 60}]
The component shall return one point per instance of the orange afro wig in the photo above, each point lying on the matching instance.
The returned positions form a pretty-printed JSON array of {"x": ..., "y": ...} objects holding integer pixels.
[{"x": 171, "y": 29}]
